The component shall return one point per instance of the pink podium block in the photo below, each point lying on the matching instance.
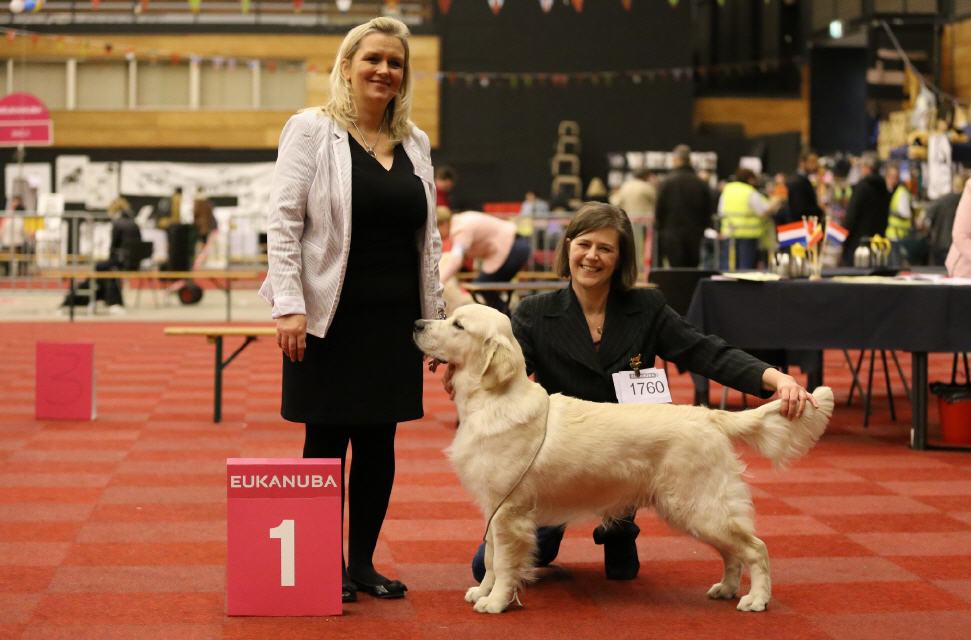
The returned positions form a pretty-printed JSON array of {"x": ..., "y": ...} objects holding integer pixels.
[
  {"x": 64, "y": 387},
  {"x": 284, "y": 537}
]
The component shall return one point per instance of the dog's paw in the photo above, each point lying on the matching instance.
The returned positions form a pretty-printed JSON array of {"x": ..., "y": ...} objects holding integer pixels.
[
  {"x": 474, "y": 593},
  {"x": 752, "y": 602},
  {"x": 490, "y": 605},
  {"x": 721, "y": 591}
]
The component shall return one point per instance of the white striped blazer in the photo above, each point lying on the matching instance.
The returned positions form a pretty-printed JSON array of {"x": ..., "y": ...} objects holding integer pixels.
[{"x": 309, "y": 227}]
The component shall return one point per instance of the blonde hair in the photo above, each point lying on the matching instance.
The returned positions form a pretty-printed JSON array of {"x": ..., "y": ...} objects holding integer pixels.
[{"x": 341, "y": 107}]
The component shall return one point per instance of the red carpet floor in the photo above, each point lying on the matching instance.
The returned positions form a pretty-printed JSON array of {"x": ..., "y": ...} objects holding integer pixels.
[{"x": 116, "y": 528}]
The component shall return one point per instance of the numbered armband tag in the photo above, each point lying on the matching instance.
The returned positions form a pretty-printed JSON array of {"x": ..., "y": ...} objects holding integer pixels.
[{"x": 651, "y": 386}]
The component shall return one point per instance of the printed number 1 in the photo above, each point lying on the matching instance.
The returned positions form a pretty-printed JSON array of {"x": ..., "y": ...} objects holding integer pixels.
[{"x": 284, "y": 532}]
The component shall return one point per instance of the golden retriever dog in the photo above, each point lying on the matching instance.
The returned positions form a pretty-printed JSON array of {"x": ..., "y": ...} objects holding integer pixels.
[{"x": 531, "y": 459}]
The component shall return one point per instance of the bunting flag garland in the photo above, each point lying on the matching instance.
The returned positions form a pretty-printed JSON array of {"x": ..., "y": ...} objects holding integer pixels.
[
  {"x": 444, "y": 6},
  {"x": 578, "y": 5},
  {"x": 297, "y": 6},
  {"x": 496, "y": 6},
  {"x": 546, "y": 5},
  {"x": 476, "y": 80}
]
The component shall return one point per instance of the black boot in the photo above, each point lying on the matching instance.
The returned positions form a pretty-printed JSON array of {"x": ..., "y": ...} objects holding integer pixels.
[{"x": 620, "y": 549}]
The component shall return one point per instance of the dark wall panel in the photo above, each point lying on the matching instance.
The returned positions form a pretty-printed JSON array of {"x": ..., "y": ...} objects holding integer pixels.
[{"x": 500, "y": 139}]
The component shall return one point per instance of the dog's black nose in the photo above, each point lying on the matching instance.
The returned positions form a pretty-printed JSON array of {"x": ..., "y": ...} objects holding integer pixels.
[{"x": 420, "y": 325}]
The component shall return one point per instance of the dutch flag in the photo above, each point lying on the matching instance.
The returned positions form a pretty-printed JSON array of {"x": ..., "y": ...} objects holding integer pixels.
[
  {"x": 790, "y": 234},
  {"x": 836, "y": 233}
]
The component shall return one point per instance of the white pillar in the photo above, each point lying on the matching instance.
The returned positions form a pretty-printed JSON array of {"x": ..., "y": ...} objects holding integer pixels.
[
  {"x": 255, "y": 74},
  {"x": 194, "y": 84},
  {"x": 71, "y": 85},
  {"x": 133, "y": 84}
]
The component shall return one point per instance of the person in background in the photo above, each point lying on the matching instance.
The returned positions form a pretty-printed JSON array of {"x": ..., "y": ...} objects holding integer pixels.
[
  {"x": 444, "y": 183},
  {"x": 959, "y": 257},
  {"x": 939, "y": 215},
  {"x": 900, "y": 215},
  {"x": 125, "y": 234},
  {"x": 779, "y": 189},
  {"x": 869, "y": 206},
  {"x": 353, "y": 252},
  {"x": 637, "y": 196},
  {"x": 168, "y": 211},
  {"x": 743, "y": 211},
  {"x": 800, "y": 191},
  {"x": 683, "y": 211},
  {"x": 202, "y": 216},
  {"x": 596, "y": 190},
  {"x": 574, "y": 339},
  {"x": 533, "y": 205},
  {"x": 481, "y": 236},
  {"x": 12, "y": 226},
  {"x": 838, "y": 191}
]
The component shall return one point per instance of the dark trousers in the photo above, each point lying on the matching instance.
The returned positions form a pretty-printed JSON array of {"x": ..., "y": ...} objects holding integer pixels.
[
  {"x": 517, "y": 258},
  {"x": 680, "y": 248},
  {"x": 620, "y": 551},
  {"x": 746, "y": 253},
  {"x": 369, "y": 485},
  {"x": 108, "y": 290}
]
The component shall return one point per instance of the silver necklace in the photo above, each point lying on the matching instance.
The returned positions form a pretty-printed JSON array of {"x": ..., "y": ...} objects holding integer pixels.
[{"x": 368, "y": 147}]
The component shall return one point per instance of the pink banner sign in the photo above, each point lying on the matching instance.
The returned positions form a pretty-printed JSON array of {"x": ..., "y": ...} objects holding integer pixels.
[
  {"x": 64, "y": 388},
  {"x": 25, "y": 120},
  {"x": 283, "y": 537}
]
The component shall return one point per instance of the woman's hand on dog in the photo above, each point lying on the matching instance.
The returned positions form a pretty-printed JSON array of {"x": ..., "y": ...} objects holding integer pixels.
[
  {"x": 792, "y": 394},
  {"x": 291, "y": 335}
]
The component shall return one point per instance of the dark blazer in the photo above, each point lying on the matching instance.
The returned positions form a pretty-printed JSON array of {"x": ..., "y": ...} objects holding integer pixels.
[
  {"x": 556, "y": 342},
  {"x": 866, "y": 213},
  {"x": 684, "y": 202},
  {"x": 802, "y": 200}
]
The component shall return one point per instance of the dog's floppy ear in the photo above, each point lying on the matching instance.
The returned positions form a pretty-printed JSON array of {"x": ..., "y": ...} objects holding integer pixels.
[{"x": 500, "y": 363}]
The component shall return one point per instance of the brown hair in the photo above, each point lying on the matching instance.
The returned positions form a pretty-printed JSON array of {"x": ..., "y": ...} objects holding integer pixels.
[{"x": 594, "y": 216}]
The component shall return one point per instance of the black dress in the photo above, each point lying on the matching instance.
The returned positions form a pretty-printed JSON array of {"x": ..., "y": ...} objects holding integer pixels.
[{"x": 367, "y": 370}]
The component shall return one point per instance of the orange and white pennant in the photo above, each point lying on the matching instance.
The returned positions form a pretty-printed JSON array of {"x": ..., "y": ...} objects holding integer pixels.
[
  {"x": 496, "y": 6},
  {"x": 546, "y": 5},
  {"x": 578, "y": 5}
]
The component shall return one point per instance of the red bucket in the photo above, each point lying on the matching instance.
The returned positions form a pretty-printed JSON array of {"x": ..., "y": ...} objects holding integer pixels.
[{"x": 955, "y": 420}]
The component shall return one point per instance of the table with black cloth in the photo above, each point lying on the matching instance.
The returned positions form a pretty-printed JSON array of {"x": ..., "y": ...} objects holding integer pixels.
[{"x": 830, "y": 314}]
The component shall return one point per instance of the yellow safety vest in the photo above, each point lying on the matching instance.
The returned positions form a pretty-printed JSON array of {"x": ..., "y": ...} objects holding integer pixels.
[
  {"x": 738, "y": 219},
  {"x": 897, "y": 227}
]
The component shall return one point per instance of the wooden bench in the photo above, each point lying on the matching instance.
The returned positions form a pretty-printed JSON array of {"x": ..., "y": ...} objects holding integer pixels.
[
  {"x": 215, "y": 336},
  {"x": 225, "y": 276}
]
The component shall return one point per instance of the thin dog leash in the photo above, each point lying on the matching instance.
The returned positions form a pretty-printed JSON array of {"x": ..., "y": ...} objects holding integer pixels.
[{"x": 521, "y": 475}]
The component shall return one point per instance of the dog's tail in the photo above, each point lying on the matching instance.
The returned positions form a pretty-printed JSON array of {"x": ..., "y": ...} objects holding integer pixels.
[{"x": 776, "y": 437}]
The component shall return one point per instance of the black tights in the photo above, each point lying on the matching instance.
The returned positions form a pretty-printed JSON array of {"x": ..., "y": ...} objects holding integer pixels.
[{"x": 369, "y": 486}]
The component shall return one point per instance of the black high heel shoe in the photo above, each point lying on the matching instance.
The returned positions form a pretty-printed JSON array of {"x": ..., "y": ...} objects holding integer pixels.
[
  {"x": 348, "y": 591},
  {"x": 387, "y": 590}
]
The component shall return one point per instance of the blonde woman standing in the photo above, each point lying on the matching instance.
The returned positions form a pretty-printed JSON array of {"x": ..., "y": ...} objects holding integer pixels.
[{"x": 345, "y": 302}]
